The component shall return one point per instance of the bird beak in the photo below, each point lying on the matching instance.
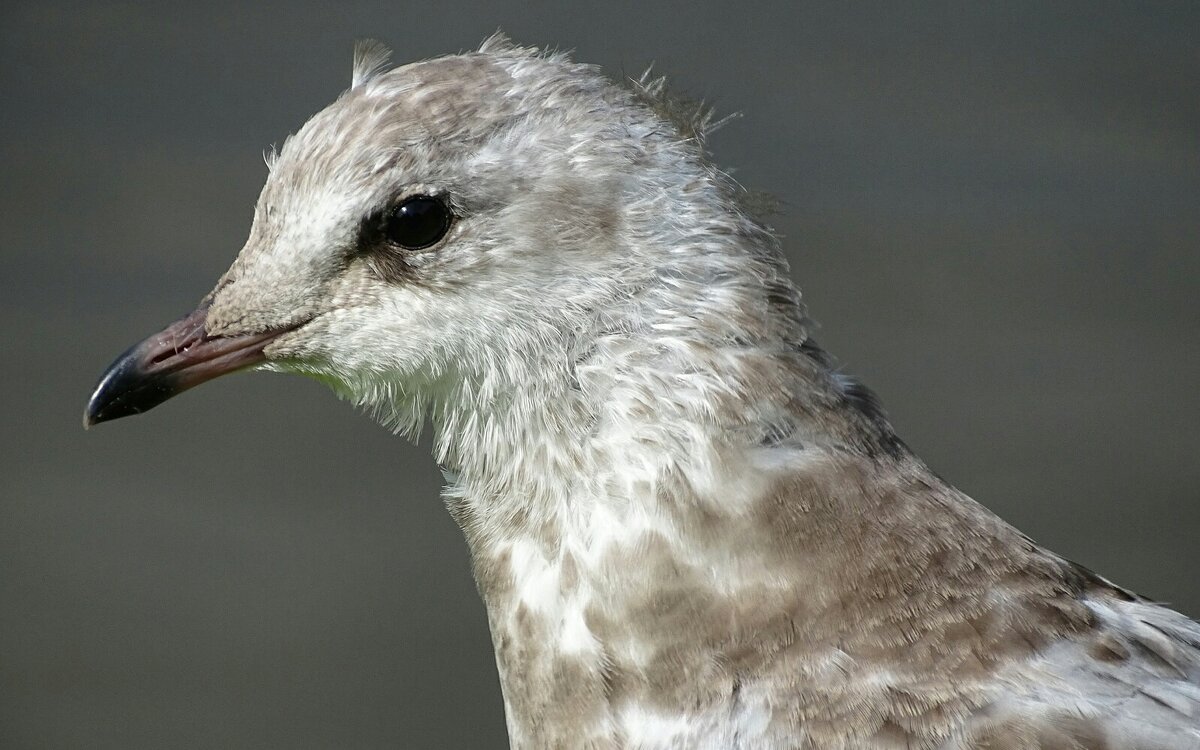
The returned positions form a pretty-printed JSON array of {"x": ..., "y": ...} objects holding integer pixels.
[{"x": 180, "y": 356}]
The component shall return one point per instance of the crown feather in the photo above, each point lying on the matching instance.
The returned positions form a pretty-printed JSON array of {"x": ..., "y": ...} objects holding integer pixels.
[{"x": 370, "y": 59}]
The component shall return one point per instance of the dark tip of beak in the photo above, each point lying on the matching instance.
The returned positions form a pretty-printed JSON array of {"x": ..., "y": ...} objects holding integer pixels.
[
  {"x": 177, "y": 358},
  {"x": 127, "y": 387}
]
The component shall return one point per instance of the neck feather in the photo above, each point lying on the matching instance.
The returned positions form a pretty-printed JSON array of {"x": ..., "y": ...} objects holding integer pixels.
[{"x": 659, "y": 450}]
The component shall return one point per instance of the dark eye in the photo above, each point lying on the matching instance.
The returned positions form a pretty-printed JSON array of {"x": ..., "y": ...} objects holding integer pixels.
[{"x": 418, "y": 222}]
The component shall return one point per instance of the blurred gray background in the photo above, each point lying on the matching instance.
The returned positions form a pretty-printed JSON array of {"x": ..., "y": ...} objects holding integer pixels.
[{"x": 994, "y": 212}]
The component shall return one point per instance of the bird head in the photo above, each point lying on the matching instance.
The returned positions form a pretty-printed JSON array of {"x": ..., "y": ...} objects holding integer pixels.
[
  {"x": 463, "y": 229},
  {"x": 438, "y": 224}
]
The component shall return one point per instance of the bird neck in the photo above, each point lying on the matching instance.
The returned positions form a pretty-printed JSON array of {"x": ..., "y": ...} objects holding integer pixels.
[
  {"x": 673, "y": 577},
  {"x": 625, "y": 527},
  {"x": 588, "y": 559}
]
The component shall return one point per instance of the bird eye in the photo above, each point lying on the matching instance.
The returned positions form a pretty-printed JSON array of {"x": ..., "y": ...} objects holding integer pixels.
[{"x": 418, "y": 222}]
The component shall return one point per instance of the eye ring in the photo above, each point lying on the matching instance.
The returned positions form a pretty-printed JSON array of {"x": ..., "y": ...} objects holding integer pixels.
[{"x": 418, "y": 222}]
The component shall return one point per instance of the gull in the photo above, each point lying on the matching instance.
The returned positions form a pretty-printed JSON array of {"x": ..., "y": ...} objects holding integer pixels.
[{"x": 689, "y": 527}]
